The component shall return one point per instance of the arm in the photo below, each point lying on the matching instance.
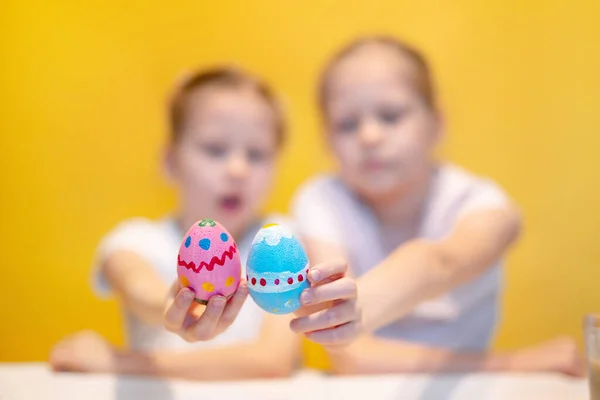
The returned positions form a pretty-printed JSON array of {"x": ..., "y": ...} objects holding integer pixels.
[
  {"x": 137, "y": 285},
  {"x": 422, "y": 269},
  {"x": 370, "y": 355},
  {"x": 427, "y": 268},
  {"x": 273, "y": 355}
]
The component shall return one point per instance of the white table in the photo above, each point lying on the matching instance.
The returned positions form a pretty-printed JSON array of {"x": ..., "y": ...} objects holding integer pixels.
[{"x": 36, "y": 381}]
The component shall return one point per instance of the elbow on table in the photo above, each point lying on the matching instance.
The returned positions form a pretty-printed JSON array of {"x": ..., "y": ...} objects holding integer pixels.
[
  {"x": 277, "y": 370},
  {"x": 271, "y": 366},
  {"x": 346, "y": 363},
  {"x": 369, "y": 360}
]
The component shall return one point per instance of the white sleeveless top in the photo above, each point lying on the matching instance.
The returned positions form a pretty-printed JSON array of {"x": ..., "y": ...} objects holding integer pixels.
[
  {"x": 325, "y": 209},
  {"x": 158, "y": 243}
]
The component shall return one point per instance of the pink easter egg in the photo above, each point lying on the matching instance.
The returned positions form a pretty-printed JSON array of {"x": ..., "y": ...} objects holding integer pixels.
[{"x": 208, "y": 261}]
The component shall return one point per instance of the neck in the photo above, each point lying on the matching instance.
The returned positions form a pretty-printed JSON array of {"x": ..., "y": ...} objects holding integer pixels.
[{"x": 404, "y": 207}]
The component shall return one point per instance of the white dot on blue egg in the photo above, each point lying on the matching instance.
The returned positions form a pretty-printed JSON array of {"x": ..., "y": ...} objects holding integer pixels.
[
  {"x": 188, "y": 241},
  {"x": 224, "y": 237},
  {"x": 204, "y": 244}
]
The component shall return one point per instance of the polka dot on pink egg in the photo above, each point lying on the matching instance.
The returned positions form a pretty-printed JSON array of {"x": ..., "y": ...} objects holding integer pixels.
[{"x": 208, "y": 287}]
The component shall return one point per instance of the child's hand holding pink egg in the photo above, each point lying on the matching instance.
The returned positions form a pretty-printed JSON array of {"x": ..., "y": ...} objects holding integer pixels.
[{"x": 209, "y": 269}]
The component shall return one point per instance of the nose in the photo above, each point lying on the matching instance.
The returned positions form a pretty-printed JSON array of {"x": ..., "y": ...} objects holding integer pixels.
[
  {"x": 237, "y": 165},
  {"x": 370, "y": 133}
]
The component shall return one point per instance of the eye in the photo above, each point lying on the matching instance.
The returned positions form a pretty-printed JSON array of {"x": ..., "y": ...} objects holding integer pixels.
[
  {"x": 391, "y": 116},
  {"x": 256, "y": 155},
  {"x": 224, "y": 237},
  {"x": 347, "y": 124},
  {"x": 214, "y": 150}
]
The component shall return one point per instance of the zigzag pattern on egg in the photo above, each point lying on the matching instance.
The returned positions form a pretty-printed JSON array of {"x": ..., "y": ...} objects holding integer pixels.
[{"x": 211, "y": 265}]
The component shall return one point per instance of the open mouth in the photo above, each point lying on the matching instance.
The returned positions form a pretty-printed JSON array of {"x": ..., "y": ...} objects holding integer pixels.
[
  {"x": 231, "y": 203},
  {"x": 374, "y": 165}
]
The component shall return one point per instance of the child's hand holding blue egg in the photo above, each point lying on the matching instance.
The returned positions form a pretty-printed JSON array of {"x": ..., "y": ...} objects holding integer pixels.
[
  {"x": 330, "y": 314},
  {"x": 280, "y": 281}
]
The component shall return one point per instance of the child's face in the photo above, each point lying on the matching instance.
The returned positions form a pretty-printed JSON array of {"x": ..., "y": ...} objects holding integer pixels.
[
  {"x": 224, "y": 161},
  {"x": 380, "y": 129}
]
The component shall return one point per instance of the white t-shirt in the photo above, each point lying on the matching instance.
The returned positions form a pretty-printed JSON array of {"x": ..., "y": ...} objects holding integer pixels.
[
  {"x": 325, "y": 209},
  {"x": 158, "y": 243}
]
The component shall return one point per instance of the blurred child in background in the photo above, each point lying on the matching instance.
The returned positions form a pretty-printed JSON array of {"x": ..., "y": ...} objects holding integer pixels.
[
  {"x": 226, "y": 132},
  {"x": 424, "y": 238}
]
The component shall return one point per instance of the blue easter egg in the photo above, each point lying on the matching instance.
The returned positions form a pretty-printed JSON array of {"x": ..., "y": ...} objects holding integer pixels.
[{"x": 277, "y": 270}]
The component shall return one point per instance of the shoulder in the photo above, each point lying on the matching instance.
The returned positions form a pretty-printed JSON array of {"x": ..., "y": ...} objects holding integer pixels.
[
  {"x": 138, "y": 229},
  {"x": 456, "y": 193},
  {"x": 324, "y": 197},
  {"x": 322, "y": 188},
  {"x": 453, "y": 178},
  {"x": 322, "y": 207},
  {"x": 151, "y": 240},
  {"x": 139, "y": 235},
  {"x": 457, "y": 189}
]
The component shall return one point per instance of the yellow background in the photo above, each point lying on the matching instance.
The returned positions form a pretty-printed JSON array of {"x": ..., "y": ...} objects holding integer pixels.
[{"x": 82, "y": 91}]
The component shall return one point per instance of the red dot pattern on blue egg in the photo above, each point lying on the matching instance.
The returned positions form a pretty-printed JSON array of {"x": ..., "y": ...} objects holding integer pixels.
[{"x": 263, "y": 281}]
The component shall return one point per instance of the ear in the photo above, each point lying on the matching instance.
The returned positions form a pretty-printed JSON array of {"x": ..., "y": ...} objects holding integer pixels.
[
  {"x": 169, "y": 164},
  {"x": 440, "y": 126}
]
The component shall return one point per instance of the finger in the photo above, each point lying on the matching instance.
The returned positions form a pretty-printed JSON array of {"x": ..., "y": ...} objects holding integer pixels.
[
  {"x": 339, "y": 335},
  {"x": 60, "y": 361},
  {"x": 205, "y": 328},
  {"x": 580, "y": 370},
  {"x": 55, "y": 356},
  {"x": 175, "y": 287},
  {"x": 344, "y": 288},
  {"x": 327, "y": 271},
  {"x": 233, "y": 307},
  {"x": 177, "y": 311},
  {"x": 330, "y": 318},
  {"x": 173, "y": 290}
]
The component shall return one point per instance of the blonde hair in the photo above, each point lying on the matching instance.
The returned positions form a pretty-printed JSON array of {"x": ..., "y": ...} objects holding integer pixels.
[
  {"x": 220, "y": 77},
  {"x": 423, "y": 79}
]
